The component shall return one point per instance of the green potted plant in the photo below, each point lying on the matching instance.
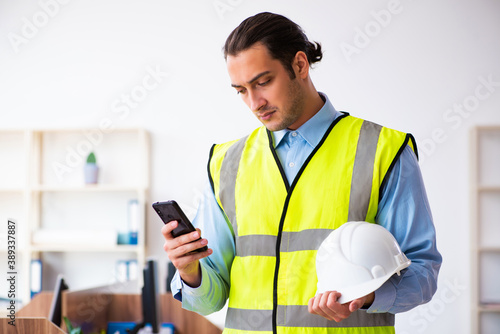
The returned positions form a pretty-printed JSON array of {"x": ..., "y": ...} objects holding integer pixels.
[
  {"x": 91, "y": 169},
  {"x": 71, "y": 329}
]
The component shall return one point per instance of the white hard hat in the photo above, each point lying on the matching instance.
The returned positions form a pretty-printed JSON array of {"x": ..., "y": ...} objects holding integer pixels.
[{"x": 356, "y": 259}]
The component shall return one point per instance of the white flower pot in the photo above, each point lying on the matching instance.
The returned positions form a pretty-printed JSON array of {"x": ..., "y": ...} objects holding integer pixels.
[{"x": 91, "y": 172}]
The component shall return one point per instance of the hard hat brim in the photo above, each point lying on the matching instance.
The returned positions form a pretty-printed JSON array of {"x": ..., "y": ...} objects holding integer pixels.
[{"x": 360, "y": 290}]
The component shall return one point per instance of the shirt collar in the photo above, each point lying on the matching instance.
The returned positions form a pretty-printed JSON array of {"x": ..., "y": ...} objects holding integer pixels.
[{"x": 314, "y": 129}]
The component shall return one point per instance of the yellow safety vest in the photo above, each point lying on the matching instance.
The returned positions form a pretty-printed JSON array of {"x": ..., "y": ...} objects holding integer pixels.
[{"x": 278, "y": 227}]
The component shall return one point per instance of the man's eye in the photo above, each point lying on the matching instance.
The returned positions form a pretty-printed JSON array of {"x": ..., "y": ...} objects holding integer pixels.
[
  {"x": 264, "y": 83},
  {"x": 241, "y": 91}
]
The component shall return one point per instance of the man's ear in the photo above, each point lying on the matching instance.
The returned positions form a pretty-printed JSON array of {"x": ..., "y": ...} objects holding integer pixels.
[{"x": 301, "y": 65}]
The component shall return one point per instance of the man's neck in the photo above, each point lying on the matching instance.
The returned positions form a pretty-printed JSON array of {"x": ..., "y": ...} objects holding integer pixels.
[{"x": 313, "y": 103}]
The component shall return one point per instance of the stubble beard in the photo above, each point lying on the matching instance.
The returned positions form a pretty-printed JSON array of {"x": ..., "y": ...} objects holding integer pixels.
[{"x": 292, "y": 111}]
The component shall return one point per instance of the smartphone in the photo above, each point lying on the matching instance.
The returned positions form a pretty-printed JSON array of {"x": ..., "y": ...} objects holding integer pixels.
[{"x": 169, "y": 211}]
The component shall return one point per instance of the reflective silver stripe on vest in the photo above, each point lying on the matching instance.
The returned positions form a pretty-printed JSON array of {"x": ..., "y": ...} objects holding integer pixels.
[
  {"x": 362, "y": 174},
  {"x": 303, "y": 240},
  {"x": 228, "y": 173},
  {"x": 256, "y": 245},
  {"x": 265, "y": 245},
  {"x": 299, "y": 316},
  {"x": 249, "y": 320}
]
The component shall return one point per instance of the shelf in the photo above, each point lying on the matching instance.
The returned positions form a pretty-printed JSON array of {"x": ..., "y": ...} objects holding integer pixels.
[
  {"x": 76, "y": 248},
  {"x": 485, "y": 228},
  {"x": 89, "y": 188},
  {"x": 90, "y": 130},
  {"x": 483, "y": 128},
  {"x": 86, "y": 248},
  {"x": 489, "y": 308},
  {"x": 12, "y": 190},
  {"x": 42, "y": 187},
  {"x": 489, "y": 249},
  {"x": 488, "y": 188}
]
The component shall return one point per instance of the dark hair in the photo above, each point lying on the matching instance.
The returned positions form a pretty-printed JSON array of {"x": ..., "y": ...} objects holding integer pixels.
[{"x": 281, "y": 36}]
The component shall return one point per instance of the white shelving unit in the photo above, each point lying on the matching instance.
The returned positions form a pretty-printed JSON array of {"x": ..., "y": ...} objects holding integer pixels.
[
  {"x": 485, "y": 229},
  {"x": 42, "y": 188}
]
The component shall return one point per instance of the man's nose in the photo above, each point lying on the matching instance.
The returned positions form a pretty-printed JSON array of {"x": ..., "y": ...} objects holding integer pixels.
[{"x": 256, "y": 101}]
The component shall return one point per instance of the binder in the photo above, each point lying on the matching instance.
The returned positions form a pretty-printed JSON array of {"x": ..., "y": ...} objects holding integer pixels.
[
  {"x": 133, "y": 220},
  {"x": 132, "y": 269},
  {"x": 36, "y": 277},
  {"x": 121, "y": 271}
]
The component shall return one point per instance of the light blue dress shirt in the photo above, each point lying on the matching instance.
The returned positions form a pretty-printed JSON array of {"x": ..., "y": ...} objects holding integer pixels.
[{"x": 403, "y": 210}]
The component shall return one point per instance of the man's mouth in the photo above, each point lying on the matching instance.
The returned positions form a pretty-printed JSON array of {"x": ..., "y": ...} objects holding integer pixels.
[{"x": 265, "y": 115}]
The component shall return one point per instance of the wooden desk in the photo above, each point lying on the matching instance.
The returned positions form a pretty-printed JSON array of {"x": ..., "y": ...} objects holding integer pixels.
[
  {"x": 92, "y": 309},
  {"x": 29, "y": 325}
]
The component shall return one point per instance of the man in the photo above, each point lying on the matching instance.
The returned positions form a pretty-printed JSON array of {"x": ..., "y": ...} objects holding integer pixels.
[{"x": 277, "y": 193}]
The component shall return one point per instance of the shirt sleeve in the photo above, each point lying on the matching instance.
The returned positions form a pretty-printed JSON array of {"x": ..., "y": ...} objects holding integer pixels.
[
  {"x": 404, "y": 211},
  {"x": 213, "y": 291}
]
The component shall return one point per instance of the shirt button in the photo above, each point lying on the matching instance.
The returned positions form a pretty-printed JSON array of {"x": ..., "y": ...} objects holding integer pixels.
[
  {"x": 291, "y": 164},
  {"x": 294, "y": 134}
]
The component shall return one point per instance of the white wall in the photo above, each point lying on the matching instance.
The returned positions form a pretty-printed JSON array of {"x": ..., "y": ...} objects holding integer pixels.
[{"x": 424, "y": 59}]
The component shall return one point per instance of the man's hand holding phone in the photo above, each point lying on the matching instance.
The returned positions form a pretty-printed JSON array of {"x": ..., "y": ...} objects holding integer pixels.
[
  {"x": 183, "y": 243},
  {"x": 181, "y": 252}
]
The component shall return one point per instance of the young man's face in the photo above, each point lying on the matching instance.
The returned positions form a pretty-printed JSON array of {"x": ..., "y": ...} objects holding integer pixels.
[{"x": 266, "y": 88}]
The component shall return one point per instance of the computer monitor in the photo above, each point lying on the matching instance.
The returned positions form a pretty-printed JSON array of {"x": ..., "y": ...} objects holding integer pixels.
[
  {"x": 170, "y": 275},
  {"x": 55, "y": 313},
  {"x": 150, "y": 299}
]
